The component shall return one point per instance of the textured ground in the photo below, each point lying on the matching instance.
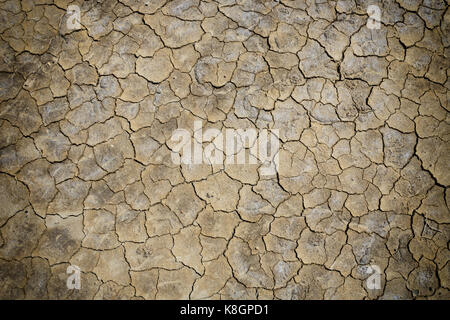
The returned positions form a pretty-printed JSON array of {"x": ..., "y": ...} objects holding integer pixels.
[{"x": 86, "y": 119}]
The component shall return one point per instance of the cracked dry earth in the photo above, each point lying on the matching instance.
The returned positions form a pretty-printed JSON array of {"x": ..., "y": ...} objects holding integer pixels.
[{"x": 87, "y": 115}]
